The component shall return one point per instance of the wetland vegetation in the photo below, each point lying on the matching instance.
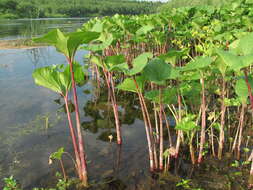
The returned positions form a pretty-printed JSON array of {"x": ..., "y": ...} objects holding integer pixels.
[{"x": 158, "y": 101}]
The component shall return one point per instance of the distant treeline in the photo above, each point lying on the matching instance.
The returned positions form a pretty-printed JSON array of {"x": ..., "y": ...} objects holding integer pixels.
[{"x": 73, "y": 8}]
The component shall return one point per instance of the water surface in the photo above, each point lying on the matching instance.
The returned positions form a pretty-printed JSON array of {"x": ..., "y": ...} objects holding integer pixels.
[{"x": 28, "y": 28}]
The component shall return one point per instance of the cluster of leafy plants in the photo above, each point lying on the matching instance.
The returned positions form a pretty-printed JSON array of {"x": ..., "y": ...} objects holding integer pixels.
[{"x": 194, "y": 64}]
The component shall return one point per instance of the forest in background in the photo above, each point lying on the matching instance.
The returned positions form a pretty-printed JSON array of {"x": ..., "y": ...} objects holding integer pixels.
[{"x": 12, "y": 9}]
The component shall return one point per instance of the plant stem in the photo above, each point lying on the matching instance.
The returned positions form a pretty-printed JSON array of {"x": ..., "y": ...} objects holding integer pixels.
[
  {"x": 63, "y": 170},
  {"x": 73, "y": 136},
  {"x": 223, "y": 110},
  {"x": 84, "y": 173},
  {"x": 203, "y": 122}
]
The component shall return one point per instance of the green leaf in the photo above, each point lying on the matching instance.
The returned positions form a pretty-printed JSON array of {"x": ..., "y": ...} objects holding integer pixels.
[
  {"x": 51, "y": 78},
  {"x": 75, "y": 39},
  {"x": 187, "y": 123},
  {"x": 241, "y": 90},
  {"x": 168, "y": 95},
  {"x": 97, "y": 60},
  {"x": 172, "y": 56},
  {"x": 139, "y": 63},
  {"x": 55, "y": 38},
  {"x": 157, "y": 71},
  {"x": 79, "y": 73},
  {"x": 198, "y": 63},
  {"x": 228, "y": 58},
  {"x": 111, "y": 61},
  {"x": 244, "y": 46},
  {"x": 57, "y": 155},
  {"x": 144, "y": 29},
  {"x": 67, "y": 44},
  {"x": 129, "y": 85},
  {"x": 104, "y": 41}
]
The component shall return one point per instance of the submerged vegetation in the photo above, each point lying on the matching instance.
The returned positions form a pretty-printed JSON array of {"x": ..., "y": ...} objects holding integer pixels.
[{"x": 192, "y": 66}]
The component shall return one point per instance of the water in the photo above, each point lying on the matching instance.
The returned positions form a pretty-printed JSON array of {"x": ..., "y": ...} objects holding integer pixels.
[
  {"x": 26, "y": 144},
  {"x": 28, "y": 28}
]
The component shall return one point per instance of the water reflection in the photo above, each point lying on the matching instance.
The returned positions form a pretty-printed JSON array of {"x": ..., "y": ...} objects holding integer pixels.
[{"x": 28, "y": 28}]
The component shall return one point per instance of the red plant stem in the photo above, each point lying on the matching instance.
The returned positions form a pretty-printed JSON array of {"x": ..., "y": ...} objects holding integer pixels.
[
  {"x": 180, "y": 133},
  {"x": 241, "y": 121},
  {"x": 116, "y": 114},
  {"x": 63, "y": 170},
  {"x": 84, "y": 173},
  {"x": 73, "y": 136},
  {"x": 240, "y": 131},
  {"x": 161, "y": 139},
  {"x": 148, "y": 135},
  {"x": 112, "y": 97},
  {"x": 249, "y": 88},
  {"x": 223, "y": 110},
  {"x": 156, "y": 123},
  {"x": 203, "y": 122},
  {"x": 168, "y": 128}
]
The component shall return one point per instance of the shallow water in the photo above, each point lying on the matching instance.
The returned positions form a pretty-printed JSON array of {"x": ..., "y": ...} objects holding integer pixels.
[
  {"x": 28, "y": 28},
  {"x": 25, "y": 142}
]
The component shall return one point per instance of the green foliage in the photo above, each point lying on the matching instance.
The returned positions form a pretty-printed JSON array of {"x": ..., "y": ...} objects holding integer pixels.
[
  {"x": 72, "y": 8},
  {"x": 187, "y": 123},
  {"x": 52, "y": 78},
  {"x": 69, "y": 43},
  {"x": 129, "y": 85},
  {"x": 157, "y": 71},
  {"x": 58, "y": 154},
  {"x": 11, "y": 184}
]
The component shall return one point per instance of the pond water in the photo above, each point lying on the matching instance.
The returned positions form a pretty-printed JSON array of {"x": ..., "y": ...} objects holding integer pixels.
[{"x": 28, "y": 28}]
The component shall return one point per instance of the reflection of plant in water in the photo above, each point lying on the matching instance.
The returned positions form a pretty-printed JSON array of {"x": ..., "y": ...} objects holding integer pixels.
[{"x": 102, "y": 116}]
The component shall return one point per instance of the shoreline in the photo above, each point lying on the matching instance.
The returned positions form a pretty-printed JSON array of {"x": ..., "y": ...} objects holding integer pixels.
[{"x": 19, "y": 44}]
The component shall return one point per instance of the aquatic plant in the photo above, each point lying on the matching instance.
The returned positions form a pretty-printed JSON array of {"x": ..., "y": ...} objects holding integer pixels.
[
  {"x": 61, "y": 81},
  {"x": 191, "y": 64}
]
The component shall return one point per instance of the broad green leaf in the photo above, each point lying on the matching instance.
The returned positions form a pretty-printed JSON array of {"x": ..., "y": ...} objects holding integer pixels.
[
  {"x": 144, "y": 29},
  {"x": 129, "y": 85},
  {"x": 67, "y": 44},
  {"x": 111, "y": 61},
  {"x": 104, "y": 41},
  {"x": 221, "y": 66},
  {"x": 55, "y": 38},
  {"x": 75, "y": 39},
  {"x": 197, "y": 64},
  {"x": 53, "y": 79},
  {"x": 97, "y": 60},
  {"x": 172, "y": 56},
  {"x": 241, "y": 90},
  {"x": 139, "y": 63},
  {"x": 228, "y": 58},
  {"x": 79, "y": 73},
  {"x": 123, "y": 67},
  {"x": 168, "y": 95},
  {"x": 187, "y": 123},
  {"x": 98, "y": 26},
  {"x": 243, "y": 46},
  {"x": 157, "y": 71}
]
